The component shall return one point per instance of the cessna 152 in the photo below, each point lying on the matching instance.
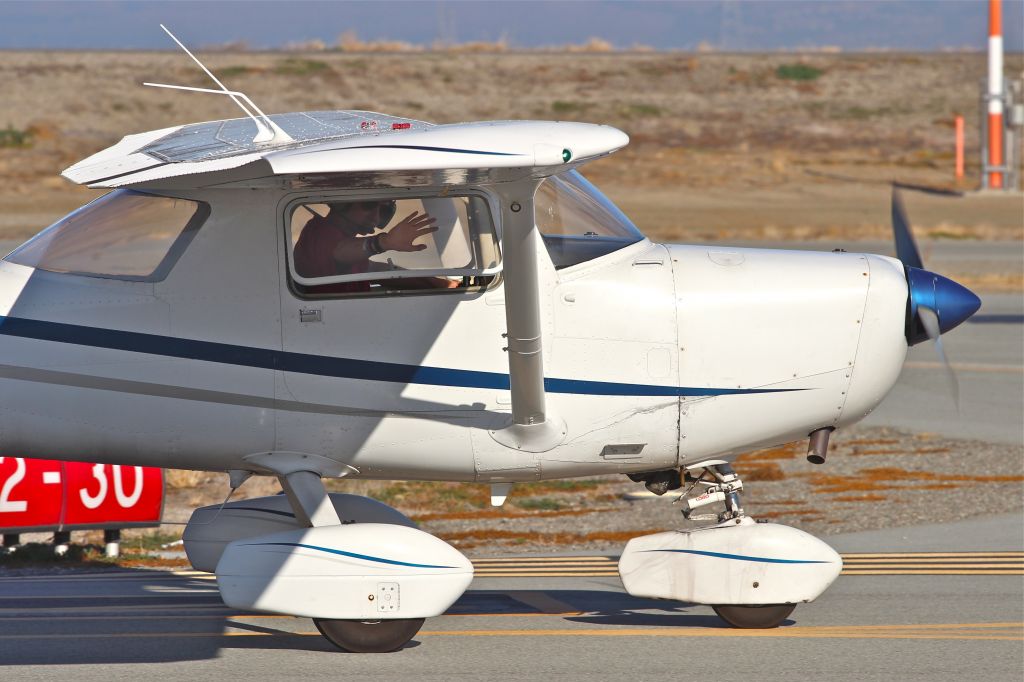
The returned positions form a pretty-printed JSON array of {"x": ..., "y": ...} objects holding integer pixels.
[{"x": 351, "y": 294}]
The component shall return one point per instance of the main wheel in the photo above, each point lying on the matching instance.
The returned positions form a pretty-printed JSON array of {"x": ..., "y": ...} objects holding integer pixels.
[
  {"x": 369, "y": 636},
  {"x": 757, "y": 617}
]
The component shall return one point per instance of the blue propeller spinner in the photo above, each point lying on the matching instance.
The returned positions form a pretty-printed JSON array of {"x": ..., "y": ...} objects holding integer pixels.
[{"x": 935, "y": 303}]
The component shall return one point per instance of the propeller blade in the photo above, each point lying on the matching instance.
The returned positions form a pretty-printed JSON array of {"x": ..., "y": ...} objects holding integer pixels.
[
  {"x": 930, "y": 321},
  {"x": 906, "y": 248}
]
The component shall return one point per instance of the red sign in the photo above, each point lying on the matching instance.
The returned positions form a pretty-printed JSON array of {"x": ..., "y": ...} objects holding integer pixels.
[{"x": 43, "y": 495}]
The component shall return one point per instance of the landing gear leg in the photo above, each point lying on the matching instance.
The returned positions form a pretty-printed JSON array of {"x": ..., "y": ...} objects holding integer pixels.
[
  {"x": 724, "y": 486},
  {"x": 313, "y": 507},
  {"x": 309, "y": 499}
]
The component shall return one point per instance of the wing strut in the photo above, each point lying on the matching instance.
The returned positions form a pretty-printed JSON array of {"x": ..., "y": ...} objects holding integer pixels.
[{"x": 533, "y": 428}]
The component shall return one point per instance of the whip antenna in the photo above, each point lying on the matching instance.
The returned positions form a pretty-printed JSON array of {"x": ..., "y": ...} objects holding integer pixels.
[{"x": 266, "y": 130}]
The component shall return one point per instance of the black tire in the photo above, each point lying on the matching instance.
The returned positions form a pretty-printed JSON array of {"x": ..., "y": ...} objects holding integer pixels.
[
  {"x": 369, "y": 636},
  {"x": 754, "y": 617}
]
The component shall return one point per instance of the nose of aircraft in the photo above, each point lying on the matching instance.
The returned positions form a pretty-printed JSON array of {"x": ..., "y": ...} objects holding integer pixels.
[{"x": 952, "y": 303}]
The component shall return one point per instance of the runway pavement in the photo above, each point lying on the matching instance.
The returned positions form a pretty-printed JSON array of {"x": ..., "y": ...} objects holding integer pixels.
[
  {"x": 890, "y": 615},
  {"x": 987, "y": 353}
]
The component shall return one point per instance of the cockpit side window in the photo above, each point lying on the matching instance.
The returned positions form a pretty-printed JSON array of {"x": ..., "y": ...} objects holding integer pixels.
[
  {"x": 124, "y": 235},
  {"x": 578, "y": 223},
  {"x": 341, "y": 246}
]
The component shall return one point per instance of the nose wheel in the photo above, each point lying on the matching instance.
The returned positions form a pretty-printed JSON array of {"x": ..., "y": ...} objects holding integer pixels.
[{"x": 369, "y": 636}]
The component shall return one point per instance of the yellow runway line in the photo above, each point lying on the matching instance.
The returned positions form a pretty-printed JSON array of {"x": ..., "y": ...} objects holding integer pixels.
[
  {"x": 993, "y": 631},
  {"x": 855, "y": 571},
  {"x": 183, "y": 593},
  {"x": 145, "y": 635},
  {"x": 927, "y": 559},
  {"x": 916, "y": 564},
  {"x": 936, "y": 564},
  {"x": 513, "y": 615},
  {"x": 933, "y": 572},
  {"x": 848, "y": 572},
  {"x": 794, "y": 632},
  {"x": 593, "y": 557},
  {"x": 591, "y": 574},
  {"x": 553, "y": 561},
  {"x": 545, "y": 564},
  {"x": 935, "y": 631},
  {"x": 924, "y": 626},
  {"x": 191, "y": 616},
  {"x": 927, "y": 555},
  {"x": 229, "y": 618}
]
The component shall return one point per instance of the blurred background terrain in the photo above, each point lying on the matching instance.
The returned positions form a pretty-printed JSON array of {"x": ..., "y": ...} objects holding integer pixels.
[
  {"x": 724, "y": 147},
  {"x": 770, "y": 148}
]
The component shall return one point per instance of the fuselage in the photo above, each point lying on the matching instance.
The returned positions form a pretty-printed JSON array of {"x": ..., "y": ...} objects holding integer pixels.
[{"x": 655, "y": 356}]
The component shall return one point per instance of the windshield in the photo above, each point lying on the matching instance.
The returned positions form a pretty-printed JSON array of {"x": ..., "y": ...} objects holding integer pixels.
[{"x": 578, "y": 222}]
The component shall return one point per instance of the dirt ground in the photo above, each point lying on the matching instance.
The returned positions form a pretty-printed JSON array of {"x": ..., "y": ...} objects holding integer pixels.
[{"x": 724, "y": 148}]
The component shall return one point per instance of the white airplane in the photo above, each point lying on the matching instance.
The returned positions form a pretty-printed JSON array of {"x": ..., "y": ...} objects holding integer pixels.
[{"x": 351, "y": 294}]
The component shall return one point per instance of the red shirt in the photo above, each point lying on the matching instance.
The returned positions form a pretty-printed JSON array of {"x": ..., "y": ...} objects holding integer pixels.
[{"x": 314, "y": 257}]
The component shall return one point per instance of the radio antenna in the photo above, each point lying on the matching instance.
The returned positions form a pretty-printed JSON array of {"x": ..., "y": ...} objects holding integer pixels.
[{"x": 266, "y": 129}]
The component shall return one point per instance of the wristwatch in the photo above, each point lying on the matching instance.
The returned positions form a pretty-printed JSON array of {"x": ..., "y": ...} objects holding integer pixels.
[{"x": 372, "y": 245}]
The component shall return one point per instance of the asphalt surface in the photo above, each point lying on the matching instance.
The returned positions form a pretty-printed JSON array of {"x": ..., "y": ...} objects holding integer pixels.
[
  {"x": 932, "y": 624},
  {"x": 987, "y": 355}
]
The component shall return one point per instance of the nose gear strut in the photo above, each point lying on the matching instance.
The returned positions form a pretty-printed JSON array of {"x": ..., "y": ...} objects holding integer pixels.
[{"x": 724, "y": 486}]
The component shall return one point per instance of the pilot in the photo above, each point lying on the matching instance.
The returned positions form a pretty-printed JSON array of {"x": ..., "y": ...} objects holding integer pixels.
[{"x": 339, "y": 243}]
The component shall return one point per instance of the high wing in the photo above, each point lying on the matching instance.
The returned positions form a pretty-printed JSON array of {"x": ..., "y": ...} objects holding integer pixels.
[{"x": 329, "y": 142}]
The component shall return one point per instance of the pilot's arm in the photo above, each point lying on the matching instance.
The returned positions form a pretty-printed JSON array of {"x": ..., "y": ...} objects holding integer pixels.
[
  {"x": 401, "y": 237},
  {"x": 398, "y": 238}
]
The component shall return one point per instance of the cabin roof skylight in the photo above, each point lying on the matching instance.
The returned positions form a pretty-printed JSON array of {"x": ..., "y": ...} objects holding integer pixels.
[{"x": 234, "y": 137}]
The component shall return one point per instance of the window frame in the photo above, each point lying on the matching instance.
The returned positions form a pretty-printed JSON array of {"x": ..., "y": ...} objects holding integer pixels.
[
  {"x": 171, "y": 257},
  {"x": 289, "y": 204}
]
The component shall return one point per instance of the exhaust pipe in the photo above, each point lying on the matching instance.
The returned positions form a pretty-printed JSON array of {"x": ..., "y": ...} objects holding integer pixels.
[{"x": 817, "y": 447}]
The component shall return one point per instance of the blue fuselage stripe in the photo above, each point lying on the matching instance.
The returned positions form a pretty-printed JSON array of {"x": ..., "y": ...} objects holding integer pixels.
[
  {"x": 738, "y": 557},
  {"x": 329, "y": 366},
  {"x": 422, "y": 148},
  {"x": 341, "y": 552}
]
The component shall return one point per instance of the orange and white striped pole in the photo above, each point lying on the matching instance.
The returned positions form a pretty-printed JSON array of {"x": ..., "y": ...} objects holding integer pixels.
[
  {"x": 958, "y": 127},
  {"x": 995, "y": 91}
]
